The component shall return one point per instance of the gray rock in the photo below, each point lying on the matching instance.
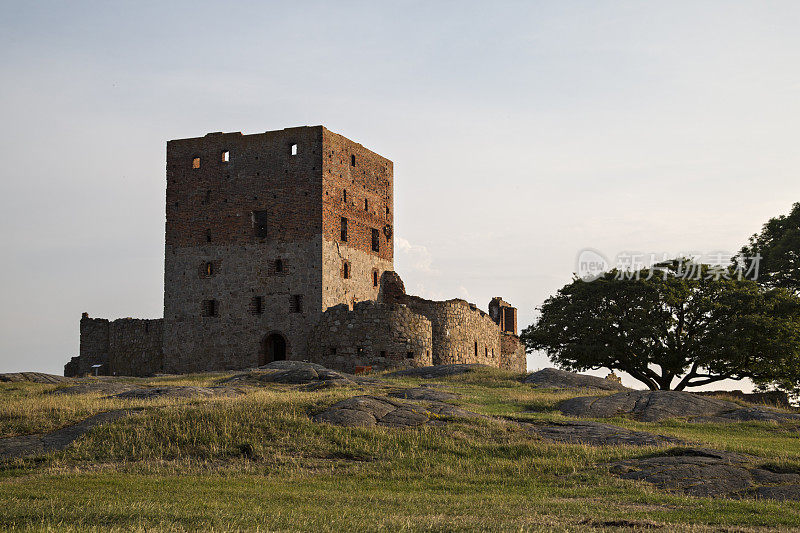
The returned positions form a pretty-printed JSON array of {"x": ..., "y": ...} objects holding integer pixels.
[
  {"x": 107, "y": 388},
  {"x": 745, "y": 414},
  {"x": 346, "y": 417},
  {"x": 649, "y": 406},
  {"x": 368, "y": 411},
  {"x": 292, "y": 372},
  {"x": 294, "y": 376},
  {"x": 327, "y": 384},
  {"x": 33, "y": 377},
  {"x": 291, "y": 365},
  {"x": 597, "y": 434},
  {"x": 447, "y": 410},
  {"x": 561, "y": 379},
  {"x": 705, "y": 472},
  {"x": 404, "y": 417},
  {"x": 424, "y": 393},
  {"x": 437, "y": 371},
  {"x": 112, "y": 389},
  {"x": 785, "y": 492},
  {"x": 377, "y": 407},
  {"x": 152, "y": 393},
  {"x": 14, "y": 447}
]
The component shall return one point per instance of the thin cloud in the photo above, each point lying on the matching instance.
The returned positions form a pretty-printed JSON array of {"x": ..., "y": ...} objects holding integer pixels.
[{"x": 413, "y": 257}]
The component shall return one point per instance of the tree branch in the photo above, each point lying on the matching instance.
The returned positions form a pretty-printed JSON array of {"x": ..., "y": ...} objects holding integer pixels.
[
  {"x": 688, "y": 377},
  {"x": 714, "y": 379}
]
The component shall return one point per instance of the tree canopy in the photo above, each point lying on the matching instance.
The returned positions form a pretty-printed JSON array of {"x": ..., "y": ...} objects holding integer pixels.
[
  {"x": 776, "y": 249},
  {"x": 676, "y": 321}
]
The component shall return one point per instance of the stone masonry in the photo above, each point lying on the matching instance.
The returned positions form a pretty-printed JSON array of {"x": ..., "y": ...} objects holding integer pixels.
[
  {"x": 270, "y": 240},
  {"x": 371, "y": 334},
  {"x": 127, "y": 347}
]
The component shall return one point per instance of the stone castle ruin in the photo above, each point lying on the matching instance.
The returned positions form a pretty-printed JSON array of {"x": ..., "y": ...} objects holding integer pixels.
[{"x": 279, "y": 246}]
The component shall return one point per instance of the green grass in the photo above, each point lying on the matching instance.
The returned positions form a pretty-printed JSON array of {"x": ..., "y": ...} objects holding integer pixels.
[{"x": 257, "y": 462}]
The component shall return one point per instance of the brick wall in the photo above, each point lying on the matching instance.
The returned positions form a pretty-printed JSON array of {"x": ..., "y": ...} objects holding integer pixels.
[
  {"x": 504, "y": 315},
  {"x": 217, "y": 198},
  {"x": 345, "y": 189},
  {"x": 361, "y": 193}
]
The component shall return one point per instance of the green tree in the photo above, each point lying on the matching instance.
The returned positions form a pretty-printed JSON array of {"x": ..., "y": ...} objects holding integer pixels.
[
  {"x": 777, "y": 249},
  {"x": 677, "y": 321}
]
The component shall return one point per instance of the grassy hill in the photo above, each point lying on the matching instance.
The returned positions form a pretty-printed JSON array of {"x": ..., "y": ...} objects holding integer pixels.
[{"x": 257, "y": 461}]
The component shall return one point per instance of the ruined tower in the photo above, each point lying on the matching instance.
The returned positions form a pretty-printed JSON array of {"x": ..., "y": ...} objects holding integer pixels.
[
  {"x": 279, "y": 245},
  {"x": 263, "y": 233}
]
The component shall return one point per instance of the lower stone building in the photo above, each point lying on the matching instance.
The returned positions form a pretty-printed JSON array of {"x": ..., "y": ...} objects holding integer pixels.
[
  {"x": 397, "y": 330},
  {"x": 400, "y": 330}
]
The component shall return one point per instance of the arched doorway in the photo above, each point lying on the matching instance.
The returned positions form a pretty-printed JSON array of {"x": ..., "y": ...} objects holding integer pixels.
[{"x": 273, "y": 348}]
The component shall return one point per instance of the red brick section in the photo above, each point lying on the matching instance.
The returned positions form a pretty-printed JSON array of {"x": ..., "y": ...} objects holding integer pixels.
[
  {"x": 371, "y": 179},
  {"x": 216, "y": 200},
  {"x": 504, "y": 315}
]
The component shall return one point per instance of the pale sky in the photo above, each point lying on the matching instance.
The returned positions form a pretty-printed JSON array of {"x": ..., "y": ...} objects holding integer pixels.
[{"x": 521, "y": 133}]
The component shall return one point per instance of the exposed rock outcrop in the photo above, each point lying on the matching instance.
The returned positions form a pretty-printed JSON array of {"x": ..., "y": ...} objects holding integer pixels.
[
  {"x": 109, "y": 388},
  {"x": 438, "y": 371},
  {"x": 34, "y": 377},
  {"x": 424, "y": 393},
  {"x": 705, "y": 472},
  {"x": 13, "y": 447},
  {"x": 370, "y": 411},
  {"x": 295, "y": 373},
  {"x": 597, "y": 434},
  {"x": 650, "y": 406},
  {"x": 561, "y": 379},
  {"x": 131, "y": 391},
  {"x": 152, "y": 393}
]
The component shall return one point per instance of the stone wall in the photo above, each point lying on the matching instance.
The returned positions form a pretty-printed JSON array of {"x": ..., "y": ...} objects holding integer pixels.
[
  {"x": 234, "y": 337},
  {"x": 364, "y": 269},
  {"x": 212, "y": 217},
  {"x": 462, "y": 333},
  {"x": 93, "y": 345},
  {"x": 372, "y": 334},
  {"x": 512, "y": 353},
  {"x": 135, "y": 346},
  {"x": 219, "y": 250},
  {"x": 127, "y": 346}
]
